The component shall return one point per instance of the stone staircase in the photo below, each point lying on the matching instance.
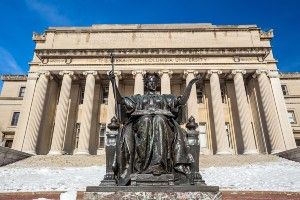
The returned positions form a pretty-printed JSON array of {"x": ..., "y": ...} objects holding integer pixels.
[
  {"x": 98, "y": 160},
  {"x": 8, "y": 156}
]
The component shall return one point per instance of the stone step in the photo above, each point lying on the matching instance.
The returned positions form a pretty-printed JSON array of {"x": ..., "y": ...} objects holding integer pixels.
[
  {"x": 226, "y": 195},
  {"x": 90, "y": 160}
]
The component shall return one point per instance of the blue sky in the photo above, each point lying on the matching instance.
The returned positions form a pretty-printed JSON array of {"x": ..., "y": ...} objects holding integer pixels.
[{"x": 19, "y": 18}]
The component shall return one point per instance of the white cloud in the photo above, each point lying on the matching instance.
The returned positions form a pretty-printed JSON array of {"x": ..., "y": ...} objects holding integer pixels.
[
  {"x": 8, "y": 64},
  {"x": 48, "y": 11}
]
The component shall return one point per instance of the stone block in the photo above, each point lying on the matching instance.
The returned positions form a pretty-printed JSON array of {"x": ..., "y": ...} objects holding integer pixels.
[
  {"x": 8, "y": 156},
  {"x": 152, "y": 192}
]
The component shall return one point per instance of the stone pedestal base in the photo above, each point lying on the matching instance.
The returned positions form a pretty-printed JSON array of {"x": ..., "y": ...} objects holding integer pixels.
[
  {"x": 149, "y": 179},
  {"x": 152, "y": 192}
]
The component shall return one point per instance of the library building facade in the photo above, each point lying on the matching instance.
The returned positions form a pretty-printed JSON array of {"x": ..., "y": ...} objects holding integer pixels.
[{"x": 243, "y": 104}]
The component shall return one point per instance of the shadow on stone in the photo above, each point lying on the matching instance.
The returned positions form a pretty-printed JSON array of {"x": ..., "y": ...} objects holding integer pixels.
[{"x": 8, "y": 156}]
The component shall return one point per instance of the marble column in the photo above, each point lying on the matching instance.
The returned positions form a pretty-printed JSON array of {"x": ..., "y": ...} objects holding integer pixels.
[
  {"x": 138, "y": 76},
  {"x": 87, "y": 110},
  {"x": 286, "y": 128},
  {"x": 60, "y": 124},
  {"x": 270, "y": 112},
  {"x": 244, "y": 112},
  {"x": 192, "y": 104},
  {"x": 36, "y": 113},
  {"x": 218, "y": 113},
  {"x": 26, "y": 107},
  {"x": 111, "y": 109},
  {"x": 165, "y": 82}
]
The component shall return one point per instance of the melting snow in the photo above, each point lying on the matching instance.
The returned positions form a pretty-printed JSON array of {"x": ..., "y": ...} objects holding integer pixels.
[{"x": 282, "y": 175}]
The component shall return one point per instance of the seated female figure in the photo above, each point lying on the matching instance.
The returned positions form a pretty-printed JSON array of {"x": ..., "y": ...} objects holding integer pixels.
[{"x": 151, "y": 140}]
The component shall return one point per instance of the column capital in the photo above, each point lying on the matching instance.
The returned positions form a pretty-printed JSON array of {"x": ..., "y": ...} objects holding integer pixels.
[
  {"x": 94, "y": 73},
  {"x": 165, "y": 71},
  {"x": 190, "y": 71},
  {"x": 135, "y": 72},
  {"x": 33, "y": 76},
  {"x": 46, "y": 73},
  {"x": 117, "y": 73},
  {"x": 238, "y": 71},
  {"x": 210, "y": 72},
  {"x": 214, "y": 71},
  {"x": 259, "y": 72},
  {"x": 273, "y": 74},
  {"x": 70, "y": 73}
]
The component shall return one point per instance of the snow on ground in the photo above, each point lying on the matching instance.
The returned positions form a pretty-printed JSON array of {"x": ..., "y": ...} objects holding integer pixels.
[
  {"x": 282, "y": 175},
  {"x": 49, "y": 179}
]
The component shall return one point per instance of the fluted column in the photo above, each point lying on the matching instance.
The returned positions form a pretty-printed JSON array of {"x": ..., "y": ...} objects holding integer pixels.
[
  {"x": 218, "y": 113},
  {"x": 269, "y": 107},
  {"x": 24, "y": 115},
  {"x": 192, "y": 104},
  {"x": 87, "y": 110},
  {"x": 111, "y": 110},
  {"x": 61, "y": 114},
  {"x": 138, "y": 76},
  {"x": 165, "y": 83},
  {"x": 36, "y": 113},
  {"x": 244, "y": 112},
  {"x": 286, "y": 128}
]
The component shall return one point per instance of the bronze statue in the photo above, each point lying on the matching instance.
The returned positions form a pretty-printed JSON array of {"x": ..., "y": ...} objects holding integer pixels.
[{"x": 151, "y": 140}]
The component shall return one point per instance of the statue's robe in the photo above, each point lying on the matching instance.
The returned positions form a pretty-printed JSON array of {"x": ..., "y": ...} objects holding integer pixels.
[{"x": 151, "y": 140}]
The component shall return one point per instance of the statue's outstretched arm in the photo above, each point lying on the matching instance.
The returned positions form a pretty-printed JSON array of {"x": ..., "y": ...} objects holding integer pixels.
[
  {"x": 117, "y": 94},
  {"x": 182, "y": 100}
]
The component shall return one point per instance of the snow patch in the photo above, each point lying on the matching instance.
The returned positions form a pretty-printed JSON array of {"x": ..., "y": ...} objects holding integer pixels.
[
  {"x": 69, "y": 195},
  {"x": 282, "y": 175}
]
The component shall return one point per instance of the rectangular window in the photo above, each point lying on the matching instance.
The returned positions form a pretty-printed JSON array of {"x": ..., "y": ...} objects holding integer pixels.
[
  {"x": 228, "y": 132},
  {"x": 22, "y": 91},
  {"x": 291, "y": 117},
  {"x": 8, "y": 143},
  {"x": 105, "y": 95},
  {"x": 284, "y": 90},
  {"x": 298, "y": 143},
  {"x": 223, "y": 94},
  {"x": 202, "y": 135},
  {"x": 77, "y": 130},
  {"x": 200, "y": 94},
  {"x": 81, "y": 97},
  {"x": 15, "y": 119},
  {"x": 102, "y": 136}
]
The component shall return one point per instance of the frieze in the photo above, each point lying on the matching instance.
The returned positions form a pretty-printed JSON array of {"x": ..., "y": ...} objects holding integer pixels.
[
  {"x": 71, "y": 53},
  {"x": 150, "y": 60}
]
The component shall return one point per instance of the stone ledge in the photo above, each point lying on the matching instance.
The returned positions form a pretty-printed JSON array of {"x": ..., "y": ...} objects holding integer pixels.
[
  {"x": 175, "y": 188},
  {"x": 8, "y": 156},
  {"x": 153, "y": 195},
  {"x": 292, "y": 154}
]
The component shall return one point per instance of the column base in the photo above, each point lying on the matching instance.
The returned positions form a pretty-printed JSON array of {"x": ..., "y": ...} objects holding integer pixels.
[
  {"x": 276, "y": 151},
  {"x": 101, "y": 151},
  {"x": 30, "y": 152},
  {"x": 55, "y": 152},
  {"x": 249, "y": 152},
  {"x": 205, "y": 151},
  {"x": 225, "y": 152},
  {"x": 81, "y": 152}
]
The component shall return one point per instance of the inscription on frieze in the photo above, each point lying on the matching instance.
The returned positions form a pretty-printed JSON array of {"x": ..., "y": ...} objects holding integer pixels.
[
  {"x": 155, "y": 60},
  {"x": 151, "y": 60}
]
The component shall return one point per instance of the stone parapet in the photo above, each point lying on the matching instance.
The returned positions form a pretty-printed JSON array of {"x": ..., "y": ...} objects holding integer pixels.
[{"x": 8, "y": 156}]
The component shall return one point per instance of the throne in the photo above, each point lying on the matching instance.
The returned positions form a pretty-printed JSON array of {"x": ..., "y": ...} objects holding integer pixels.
[{"x": 149, "y": 179}]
